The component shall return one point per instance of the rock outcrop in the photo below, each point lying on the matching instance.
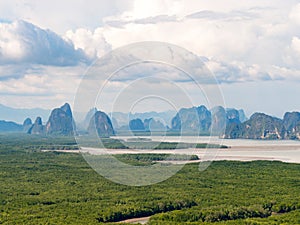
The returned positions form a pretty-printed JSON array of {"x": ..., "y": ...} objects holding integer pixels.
[
  {"x": 136, "y": 125},
  {"x": 88, "y": 117},
  {"x": 233, "y": 116},
  {"x": 219, "y": 120},
  {"x": 123, "y": 119},
  {"x": 195, "y": 119},
  {"x": 242, "y": 115},
  {"x": 222, "y": 118},
  {"x": 153, "y": 125},
  {"x": 100, "y": 124},
  {"x": 37, "y": 127},
  {"x": 27, "y": 125},
  {"x": 259, "y": 126},
  {"x": 291, "y": 122},
  {"x": 61, "y": 121}
]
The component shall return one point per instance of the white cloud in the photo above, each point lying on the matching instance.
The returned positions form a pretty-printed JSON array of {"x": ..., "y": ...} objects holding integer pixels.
[
  {"x": 255, "y": 34},
  {"x": 292, "y": 54},
  {"x": 242, "y": 41},
  {"x": 295, "y": 14},
  {"x": 60, "y": 16},
  {"x": 22, "y": 42},
  {"x": 285, "y": 73},
  {"x": 41, "y": 86},
  {"x": 296, "y": 44},
  {"x": 237, "y": 72},
  {"x": 145, "y": 9},
  {"x": 92, "y": 43},
  {"x": 226, "y": 40},
  {"x": 10, "y": 46}
]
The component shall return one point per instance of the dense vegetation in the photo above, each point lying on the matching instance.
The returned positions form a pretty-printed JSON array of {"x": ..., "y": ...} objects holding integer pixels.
[
  {"x": 141, "y": 143},
  {"x": 148, "y": 159},
  {"x": 60, "y": 188},
  {"x": 37, "y": 142}
]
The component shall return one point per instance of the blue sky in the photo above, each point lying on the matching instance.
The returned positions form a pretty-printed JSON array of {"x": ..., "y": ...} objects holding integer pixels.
[{"x": 252, "y": 47}]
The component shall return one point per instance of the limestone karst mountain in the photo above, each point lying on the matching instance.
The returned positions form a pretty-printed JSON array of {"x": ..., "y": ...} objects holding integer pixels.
[
  {"x": 27, "y": 125},
  {"x": 61, "y": 121},
  {"x": 259, "y": 126},
  {"x": 136, "y": 125},
  {"x": 37, "y": 127},
  {"x": 226, "y": 123},
  {"x": 153, "y": 124},
  {"x": 100, "y": 124},
  {"x": 195, "y": 119},
  {"x": 291, "y": 122}
]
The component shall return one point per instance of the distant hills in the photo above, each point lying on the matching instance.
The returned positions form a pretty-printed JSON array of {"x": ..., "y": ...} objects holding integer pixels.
[
  {"x": 18, "y": 115},
  {"x": 9, "y": 126},
  {"x": 120, "y": 119},
  {"x": 226, "y": 123}
]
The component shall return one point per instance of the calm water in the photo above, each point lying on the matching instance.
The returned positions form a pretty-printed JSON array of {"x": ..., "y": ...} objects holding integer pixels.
[
  {"x": 240, "y": 149},
  {"x": 216, "y": 140}
]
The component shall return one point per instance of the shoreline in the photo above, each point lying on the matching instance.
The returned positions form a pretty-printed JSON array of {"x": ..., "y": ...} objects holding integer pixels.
[{"x": 284, "y": 153}]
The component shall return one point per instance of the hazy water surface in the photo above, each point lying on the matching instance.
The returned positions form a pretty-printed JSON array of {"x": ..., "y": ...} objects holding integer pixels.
[{"x": 240, "y": 149}]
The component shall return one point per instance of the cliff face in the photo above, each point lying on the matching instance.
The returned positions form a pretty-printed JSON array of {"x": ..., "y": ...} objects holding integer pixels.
[
  {"x": 61, "y": 121},
  {"x": 233, "y": 116},
  {"x": 88, "y": 117},
  {"x": 202, "y": 120},
  {"x": 37, "y": 127},
  {"x": 27, "y": 125},
  {"x": 262, "y": 126},
  {"x": 152, "y": 124},
  {"x": 259, "y": 126},
  {"x": 136, "y": 125},
  {"x": 219, "y": 120},
  {"x": 195, "y": 119},
  {"x": 222, "y": 118},
  {"x": 291, "y": 122},
  {"x": 242, "y": 115},
  {"x": 101, "y": 125}
]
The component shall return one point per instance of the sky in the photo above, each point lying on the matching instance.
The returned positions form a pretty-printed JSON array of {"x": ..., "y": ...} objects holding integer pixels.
[{"x": 252, "y": 48}]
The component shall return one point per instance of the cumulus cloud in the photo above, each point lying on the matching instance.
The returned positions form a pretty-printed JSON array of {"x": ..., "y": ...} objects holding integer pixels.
[
  {"x": 285, "y": 73},
  {"x": 23, "y": 42},
  {"x": 244, "y": 40},
  {"x": 92, "y": 43},
  {"x": 241, "y": 41},
  {"x": 69, "y": 14},
  {"x": 237, "y": 72},
  {"x": 292, "y": 54}
]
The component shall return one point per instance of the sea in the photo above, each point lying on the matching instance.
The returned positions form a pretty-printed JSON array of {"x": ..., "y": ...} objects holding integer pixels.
[{"x": 238, "y": 149}]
